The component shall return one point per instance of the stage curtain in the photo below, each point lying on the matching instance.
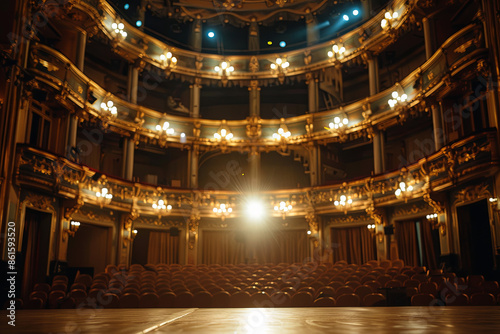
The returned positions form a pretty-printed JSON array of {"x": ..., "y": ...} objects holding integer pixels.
[
  {"x": 406, "y": 237},
  {"x": 354, "y": 245},
  {"x": 282, "y": 247},
  {"x": 222, "y": 247},
  {"x": 428, "y": 251},
  {"x": 163, "y": 248}
]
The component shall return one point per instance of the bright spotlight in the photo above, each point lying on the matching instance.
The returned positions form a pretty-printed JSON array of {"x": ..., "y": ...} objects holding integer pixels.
[
  {"x": 255, "y": 209},
  {"x": 355, "y": 12},
  {"x": 282, "y": 44},
  {"x": 269, "y": 42},
  {"x": 211, "y": 34},
  {"x": 345, "y": 17},
  {"x": 127, "y": 6},
  {"x": 138, "y": 23}
]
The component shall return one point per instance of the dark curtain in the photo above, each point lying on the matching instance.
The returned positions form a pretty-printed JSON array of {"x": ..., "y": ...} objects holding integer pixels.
[
  {"x": 354, "y": 245},
  {"x": 428, "y": 251},
  {"x": 163, "y": 248},
  {"x": 282, "y": 247},
  {"x": 406, "y": 237},
  {"x": 222, "y": 247}
]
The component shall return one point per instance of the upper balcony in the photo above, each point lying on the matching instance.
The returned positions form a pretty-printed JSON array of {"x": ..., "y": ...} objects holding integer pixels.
[{"x": 464, "y": 50}]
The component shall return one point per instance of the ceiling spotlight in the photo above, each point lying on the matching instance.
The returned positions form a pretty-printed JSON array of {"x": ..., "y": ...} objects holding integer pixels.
[
  {"x": 138, "y": 23},
  {"x": 355, "y": 12},
  {"x": 269, "y": 43},
  {"x": 345, "y": 17},
  {"x": 211, "y": 34},
  {"x": 282, "y": 44},
  {"x": 127, "y": 6}
]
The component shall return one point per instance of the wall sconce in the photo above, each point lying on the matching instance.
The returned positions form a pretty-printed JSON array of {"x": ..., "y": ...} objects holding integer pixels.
[
  {"x": 404, "y": 190},
  {"x": 284, "y": 208},
  {"x": 118, "y": 28},
  {"x": 168, "y": 59},
  {"x": 222, "y": 210},
  {"x": 379, "y": 235},
  {"x": 337, "y": 52},
  {"x": 161, "y": 208},
  {"x": 283, "y": 132},
  {"x": 280, "y": 66},
  {"x": 128, "y": 237},
  {"x": 389, "y": 18},
  {"x": 436, "y": 224},
  {"x": 224, "y": 70},
  {"x": 494, "y": 204},
  {"x": 73, "y": 228},
  {"x": 104, "y": 197},
  {"x": 109, "y": 107},
  {"x": 398, "y": 97}
]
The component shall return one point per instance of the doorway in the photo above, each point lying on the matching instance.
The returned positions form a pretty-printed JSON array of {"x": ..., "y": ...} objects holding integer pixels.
[
  {"x": 35, "y": 249},
  {"x": 476, "y": 250},
  {"x": 90, "y": 247}
]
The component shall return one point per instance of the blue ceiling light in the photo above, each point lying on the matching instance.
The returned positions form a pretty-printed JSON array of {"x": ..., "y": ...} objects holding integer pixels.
[
  {"x": 355, "y": 12},
  {"x": 127, "y": 6},
  {"x": 138, "y": 23},
  {"x": 211, "y": 34},
  {"x": 345, "y": 17},
  {"x": 282, "y": 44}
]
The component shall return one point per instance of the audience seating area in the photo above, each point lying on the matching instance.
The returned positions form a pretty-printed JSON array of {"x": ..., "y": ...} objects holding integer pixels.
[{"x": 341, "y": 284}]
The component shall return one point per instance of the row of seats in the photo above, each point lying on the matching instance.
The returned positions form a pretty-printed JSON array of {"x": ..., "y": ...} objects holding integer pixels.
[{"x": 308, "y": 284}]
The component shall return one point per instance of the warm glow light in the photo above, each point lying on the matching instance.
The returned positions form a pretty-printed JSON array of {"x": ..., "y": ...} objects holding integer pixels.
[{"x": 255, "y": 209}]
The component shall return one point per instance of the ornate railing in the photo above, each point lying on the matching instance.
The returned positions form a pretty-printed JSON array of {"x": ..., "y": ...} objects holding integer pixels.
[
  {"x": 461, "y": 50},
  {"x": 137, "y": 45},
  {"x": 463, "y": 160}
]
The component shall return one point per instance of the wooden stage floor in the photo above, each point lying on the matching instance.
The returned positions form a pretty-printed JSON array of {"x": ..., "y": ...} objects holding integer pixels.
[{"x": 364, "y": 320}]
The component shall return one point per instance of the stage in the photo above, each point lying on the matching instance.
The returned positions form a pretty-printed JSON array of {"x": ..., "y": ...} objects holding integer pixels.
[{"x": 253, "y": 320}]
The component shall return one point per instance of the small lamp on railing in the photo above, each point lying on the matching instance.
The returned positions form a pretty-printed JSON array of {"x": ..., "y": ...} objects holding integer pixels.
[
  {"x": 373, "y": 230},
  {"x": 104, "y": 197},
  {"x": 161, "y": 207},
  {"x": 337, "y": 51},
  {"x": 223, "y": 133},
  {"x": 224, "y": 70},
  {"x": 165, "y": 128},
  {"x": 397, "y": 99},
  {"x": 222, "y": 210},
  {"x": 284, "y": 208},
  {"x": 168, "y": 59},
  {"x": 109, "y": 107},
  {"x": 118, "y": 28},
  {"x": 280, "y": 66},
  {"x": 339, "y": 122},
  {"x": 404, "y": 190},
  {"x": 389, "y": 18}
]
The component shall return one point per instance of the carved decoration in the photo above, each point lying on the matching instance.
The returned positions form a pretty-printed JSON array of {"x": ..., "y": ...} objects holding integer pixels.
[
  {"x": 73, "y": 207},
  {"x": 472, "y": 193},
  {"x": 40, "y": 202},
  {"x": 375, "y": 214}
]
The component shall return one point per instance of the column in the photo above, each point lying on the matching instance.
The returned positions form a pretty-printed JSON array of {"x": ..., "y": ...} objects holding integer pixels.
[
  {"x": 196, "y": 37},
  {"x": 314, "y": 165},
  {"x": 128, "y": 159},
  {"x": 437, "y": 126},
  {"x": 373, "y": 74},
  {"x": 378, "y": 152},
  {"x": 80, "y": 63},
  {"x": 193, "y": 166},
  {"x": 311, "y": 30},
  {"x": 253, "y": 36},
  {"x": 254, "y": 167},
  {"x": 254, "y": 155},
  {"x": 195, "y": 99},
  {"x": 430, "y": 41},
  {"x": 254, "y": 99},
  {"x": 312, "y": 90},
  {"x": 133, "y": 83},
  {"x": 367, "y": 8}
]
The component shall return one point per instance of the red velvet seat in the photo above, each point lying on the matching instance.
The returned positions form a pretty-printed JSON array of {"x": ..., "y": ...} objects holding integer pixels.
[
  {"x": 348, "y": 300},
  {"x": 324, "y": 302},
  {"x": 374, "y": 299}
]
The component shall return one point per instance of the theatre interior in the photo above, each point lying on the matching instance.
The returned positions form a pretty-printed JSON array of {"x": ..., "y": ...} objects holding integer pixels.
[{"x": 250, "y": 166}]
